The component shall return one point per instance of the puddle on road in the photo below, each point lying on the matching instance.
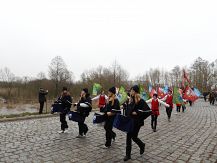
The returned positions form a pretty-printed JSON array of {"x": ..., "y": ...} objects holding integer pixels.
[{"x": 18, "y": 110}]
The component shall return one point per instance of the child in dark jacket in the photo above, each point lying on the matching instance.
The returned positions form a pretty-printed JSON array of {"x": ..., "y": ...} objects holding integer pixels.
[
  {"x": 136, "y": 105},
  {"x": 112, "y": 108},
  {"x": 84, "y": 107},
  {"x": 66, "y": 101}
]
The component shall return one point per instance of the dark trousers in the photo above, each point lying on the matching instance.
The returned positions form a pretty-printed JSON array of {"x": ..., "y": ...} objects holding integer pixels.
[
  {"x": 109, "y": 133},
  {"x": 154, "y": 121},
  {"x": 133, "y": 136},
  {"x": 169, "y": 111},
  {"x": 64, "y": 124},
  {"x": 183, "y": 108},
  {"x": 83, "y": 129},
  {"x": 212, "y": 101},
  {"x": 190, "y": 102},
  {"x": 178, "y": 108},
  {"x": 41, "y": 107}
]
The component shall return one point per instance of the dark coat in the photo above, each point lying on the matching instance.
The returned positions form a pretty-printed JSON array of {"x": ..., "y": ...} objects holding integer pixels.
[
  {"x": 111, "y": 108},
  {"x": 133, "y": 107},
  {"x": 85, "y": 111},
  {"x": 41, "y": 96},
  {"x": 66, "y": 101}
]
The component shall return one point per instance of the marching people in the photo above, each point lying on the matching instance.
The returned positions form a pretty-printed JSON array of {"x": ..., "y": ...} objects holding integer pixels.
[
  {"x": 155, "y": 103},
  {"x": 169, "y": 100},
  {"x": 102, "y": 100},
  {"x": 42, "y": 99},
  {"x": 84, "y": 107},
  {"x": 66, "y": 100},
  {"x": 112, "y": 108},
  {"x": 136, "y": 103}
]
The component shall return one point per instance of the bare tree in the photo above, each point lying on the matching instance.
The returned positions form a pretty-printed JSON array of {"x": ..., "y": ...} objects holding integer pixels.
[
  {"x": 58, "y": 72},
  {"x": 176, "y": 76},
  {"x": 8, "y": 78},
  {"x": 201, "y": 74},
  {"x": 154, "y": 75},
  {"x": 41, "y": 76}
]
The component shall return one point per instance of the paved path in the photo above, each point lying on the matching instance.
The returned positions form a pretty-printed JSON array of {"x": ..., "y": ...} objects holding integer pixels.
[{"x": 190, "y": 137}]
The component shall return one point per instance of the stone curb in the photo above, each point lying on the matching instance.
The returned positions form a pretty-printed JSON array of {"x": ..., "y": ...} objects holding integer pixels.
[{"x": 27, "y": 117}]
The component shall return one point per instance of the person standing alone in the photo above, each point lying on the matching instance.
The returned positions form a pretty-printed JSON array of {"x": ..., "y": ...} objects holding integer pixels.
[{"x": 42, "y": 99}]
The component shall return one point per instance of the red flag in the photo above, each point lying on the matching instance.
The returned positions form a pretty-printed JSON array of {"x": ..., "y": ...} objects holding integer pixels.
[
  {"x": 152, "y": 92},
  {"x": 185, "y": 79},
  {"x": 161, "y": 93},
  {"x": 189, "y": 94},
  {"x": 181, "y": 91}
]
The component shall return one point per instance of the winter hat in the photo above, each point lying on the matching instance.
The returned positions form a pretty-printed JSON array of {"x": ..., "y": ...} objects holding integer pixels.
[
  {"x": 64, "y": 89},
  {"x": 112, "y": 90},
  {"x": 135, "y": 88},
  {"x": 155, "y": 94},
  {"x": 85, "y": 90}
]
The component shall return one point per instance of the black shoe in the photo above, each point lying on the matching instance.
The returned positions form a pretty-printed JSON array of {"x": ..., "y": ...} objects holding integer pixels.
[
  {"x": 107, "y": 145},
  {"x": 79, "y": 136},
  {"x": 154, "y": 130},
  {"x": 127, "y": 158},
  {"x": 114, "y": 137},
  {"x": 85, "y": 133},
  {"x": 142, "y": 150}
]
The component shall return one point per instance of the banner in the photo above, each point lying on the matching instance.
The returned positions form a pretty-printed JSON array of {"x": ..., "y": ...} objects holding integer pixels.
[
  {"x": 166, "y": 89},
  {"x": 197, "y": 92},
  {"x": 190, "y": 94},
  {"x": 96, "y": 89},
  {"x": 122, "y": 95},
  {"x": 149, "y": 88},
  {"x": 153, "y": 91},
  {"x": 144, "y": 95},
  {"x": 161, "y": 93},
  {"x": 177, "y": 98}
]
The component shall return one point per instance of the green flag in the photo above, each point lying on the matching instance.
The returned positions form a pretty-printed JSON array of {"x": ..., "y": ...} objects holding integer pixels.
[
  {"x": 96, "y": 89},
  {"x": 122, "y": 95},
  {"x": 144, "y": 95},
  {"x": 177, "y": 98}
]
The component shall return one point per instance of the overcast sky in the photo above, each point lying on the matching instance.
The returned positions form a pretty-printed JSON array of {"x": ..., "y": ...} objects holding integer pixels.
[{"x": 139, "y": 34}]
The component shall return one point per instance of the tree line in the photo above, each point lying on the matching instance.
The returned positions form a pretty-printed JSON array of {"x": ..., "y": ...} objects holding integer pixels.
[{"x": 202, "y": 74}]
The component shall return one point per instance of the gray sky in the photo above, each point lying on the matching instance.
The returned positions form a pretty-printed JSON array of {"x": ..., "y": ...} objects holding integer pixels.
[{"x": 139, "y": 34}]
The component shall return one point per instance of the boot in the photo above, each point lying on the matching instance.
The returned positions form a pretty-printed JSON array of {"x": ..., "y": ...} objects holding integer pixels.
[
  {"x": 127, "y": 158},
  {"x": 142, "y": 149}
]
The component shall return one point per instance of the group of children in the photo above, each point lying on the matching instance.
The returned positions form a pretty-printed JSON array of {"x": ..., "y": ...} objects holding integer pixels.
[{"x": 110, "y": 106}]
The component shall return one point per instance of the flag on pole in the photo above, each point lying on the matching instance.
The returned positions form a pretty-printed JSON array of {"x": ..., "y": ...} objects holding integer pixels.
[
  {"x": 144, "y": 95},
  {"x": 197, "y": 92},
  {"x": 96, "y": 89},
  {"x": 149, "y": 87},
  {"x": 166, "y": 89},
  {"x": 161, "y": 93},
  {"x": 190, "y": 94},
  {"x": 153, "y": 91},
  {"x": 177, "y": 96},
  {"x": 122, "y": 95},
  {"x": 185, "y": 81}
]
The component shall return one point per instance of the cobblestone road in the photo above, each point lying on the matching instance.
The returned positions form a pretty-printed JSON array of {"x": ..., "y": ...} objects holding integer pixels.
[{"x": 190, "y": 137}]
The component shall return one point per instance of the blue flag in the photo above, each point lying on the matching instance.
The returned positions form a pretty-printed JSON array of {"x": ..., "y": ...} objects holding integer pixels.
[
  {"x": 197, "y": 92},
  {"x": 166, "y": 88},
  {"x": 149, "y": 87}
]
